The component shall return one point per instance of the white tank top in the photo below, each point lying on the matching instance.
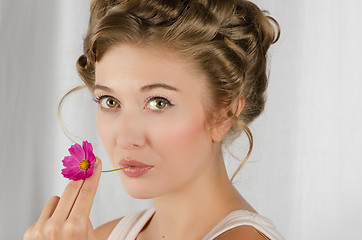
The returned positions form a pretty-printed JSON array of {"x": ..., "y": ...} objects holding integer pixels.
[{"x": 130, "y": 226}]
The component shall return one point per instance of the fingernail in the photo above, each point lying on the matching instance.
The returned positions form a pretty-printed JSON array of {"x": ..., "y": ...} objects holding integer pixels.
[{"x": 96, "y": 162}]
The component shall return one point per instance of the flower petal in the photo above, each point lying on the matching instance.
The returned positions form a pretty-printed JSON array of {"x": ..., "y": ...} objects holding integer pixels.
[
  {"x": 89, "y": 172},
  {"x": 80, "y": 175},
  {"x": 77, "y": 152},
  {"x": 88, "y": 150},
  {"x": 70, "y": 161},
  {"x": 86, "y": 145},
  {"x": 69, "y": 171}
]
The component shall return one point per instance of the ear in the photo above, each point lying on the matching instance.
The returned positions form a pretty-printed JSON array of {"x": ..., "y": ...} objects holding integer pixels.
[{"x": 223, "y": 123}]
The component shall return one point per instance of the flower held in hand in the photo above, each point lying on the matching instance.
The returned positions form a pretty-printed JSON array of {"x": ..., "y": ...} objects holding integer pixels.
[{"x": 79, "y": 165}]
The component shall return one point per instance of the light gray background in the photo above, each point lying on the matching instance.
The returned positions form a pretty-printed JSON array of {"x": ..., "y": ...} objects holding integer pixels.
[{"x": 304, "y": 173}]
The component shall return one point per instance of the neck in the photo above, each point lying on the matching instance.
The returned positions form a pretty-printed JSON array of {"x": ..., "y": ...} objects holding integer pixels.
[{"x": 180, "y": 212}]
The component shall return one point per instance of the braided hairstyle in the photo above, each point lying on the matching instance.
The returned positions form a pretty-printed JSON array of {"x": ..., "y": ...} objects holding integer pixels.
[{"x": 227, "y": 39}]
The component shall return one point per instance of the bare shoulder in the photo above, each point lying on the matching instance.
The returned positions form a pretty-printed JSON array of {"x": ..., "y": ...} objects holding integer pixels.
[
  {"x": 242, "y": 232},
  {"x": 103, "y": 231}
]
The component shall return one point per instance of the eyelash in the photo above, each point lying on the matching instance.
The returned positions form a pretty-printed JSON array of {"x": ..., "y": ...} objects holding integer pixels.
[{"x": 99, "y": 98}]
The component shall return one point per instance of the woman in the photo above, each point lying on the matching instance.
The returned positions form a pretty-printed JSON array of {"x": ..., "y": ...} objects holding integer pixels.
[{"x": 173, "y": 80}]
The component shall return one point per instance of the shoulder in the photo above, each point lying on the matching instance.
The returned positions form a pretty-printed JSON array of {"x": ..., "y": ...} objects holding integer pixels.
[
  {"x": 242, "y": 232},
  {"x": 103, "y": 231}
]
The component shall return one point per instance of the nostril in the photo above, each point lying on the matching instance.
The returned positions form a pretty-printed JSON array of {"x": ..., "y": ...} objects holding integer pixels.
[
  {"x": 130, "y": 137},
  {"x": 133, "y": 146}
]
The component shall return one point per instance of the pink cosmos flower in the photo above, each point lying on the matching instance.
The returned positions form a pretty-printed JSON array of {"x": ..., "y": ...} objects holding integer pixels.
[{"x": 80, "y": 164}]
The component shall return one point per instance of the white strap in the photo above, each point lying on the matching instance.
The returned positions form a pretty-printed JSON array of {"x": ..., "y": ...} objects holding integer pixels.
[
  {"x": 241, "y": 218},
  {"x": 131, "y": 225}
]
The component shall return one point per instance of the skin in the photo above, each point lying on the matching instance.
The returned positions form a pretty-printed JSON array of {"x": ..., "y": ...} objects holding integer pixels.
[
  {"x": 188, "y": 178},
  {"x": 68, "y": 217}
]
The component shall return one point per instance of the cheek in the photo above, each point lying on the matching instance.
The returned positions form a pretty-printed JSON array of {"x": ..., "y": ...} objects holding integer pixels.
[
  {"x": 182, "y": 136},
  {"x": 104, "y": 132},
  {"x": 100, "y": 127}
]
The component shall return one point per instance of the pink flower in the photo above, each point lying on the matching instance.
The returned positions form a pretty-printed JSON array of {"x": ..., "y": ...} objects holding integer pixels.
[{"x": 79, "y": 165}]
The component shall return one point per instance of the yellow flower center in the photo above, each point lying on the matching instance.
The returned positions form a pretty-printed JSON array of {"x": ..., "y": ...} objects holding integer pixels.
[{"x": 84, "y": 165}]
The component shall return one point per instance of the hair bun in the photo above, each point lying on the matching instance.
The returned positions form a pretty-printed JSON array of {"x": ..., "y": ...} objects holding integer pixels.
[{"x": 226, "y": 39}]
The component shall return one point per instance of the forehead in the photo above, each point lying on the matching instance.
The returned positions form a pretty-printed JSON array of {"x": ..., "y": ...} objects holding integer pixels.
[
  {"x": 129, "y": 67},
  {"x": 144, "y": 65}
]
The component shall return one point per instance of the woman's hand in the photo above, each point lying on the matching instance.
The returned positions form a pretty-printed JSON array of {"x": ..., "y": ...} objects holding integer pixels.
[{"x": 68, "y": 217}]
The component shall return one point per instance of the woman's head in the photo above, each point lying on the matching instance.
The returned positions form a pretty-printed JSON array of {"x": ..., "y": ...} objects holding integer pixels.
[
  {"x": 152, "y": 117},
  {"x": 226, "y": 40}
]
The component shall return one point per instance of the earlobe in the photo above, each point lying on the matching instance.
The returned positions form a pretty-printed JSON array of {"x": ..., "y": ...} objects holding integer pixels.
[
  {"x": 218, "y": 132},
  {"x": 239, "y": 107},
  {"x": 224, "y": 123}
]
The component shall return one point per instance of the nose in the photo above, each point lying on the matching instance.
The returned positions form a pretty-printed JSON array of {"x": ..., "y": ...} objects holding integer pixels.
[{"x": 130, "y": 132}]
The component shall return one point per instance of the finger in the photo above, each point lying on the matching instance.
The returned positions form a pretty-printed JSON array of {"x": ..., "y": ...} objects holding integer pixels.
[
  {"x": 67, "y": 200},
  {"x": 48, "y": 209},
  {"x": 84, "y": 202},
  {"x": 90, "y": 225},
  {"x": 91, "y": 232}
]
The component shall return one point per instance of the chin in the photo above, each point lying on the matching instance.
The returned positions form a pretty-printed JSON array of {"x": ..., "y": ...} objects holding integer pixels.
[
  {"x": 139, "y": 188},
  {"x": 140, "y": 195}
]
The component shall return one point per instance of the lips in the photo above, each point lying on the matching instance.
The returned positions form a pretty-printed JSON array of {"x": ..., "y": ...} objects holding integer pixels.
[{"x": 136, "y": 168}]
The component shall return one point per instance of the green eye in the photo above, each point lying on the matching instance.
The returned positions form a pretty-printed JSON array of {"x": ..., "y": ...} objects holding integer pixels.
[
  {"x": 107, "y": 102},
  {"x": 158, "y": 103},
  {"x": 111, "y": 103}
]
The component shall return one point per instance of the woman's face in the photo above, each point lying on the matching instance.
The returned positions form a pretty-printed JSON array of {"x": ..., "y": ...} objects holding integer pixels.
[{"x": 150, "y": 116}]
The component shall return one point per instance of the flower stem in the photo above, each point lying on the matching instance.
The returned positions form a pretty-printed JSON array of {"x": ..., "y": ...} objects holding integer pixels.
[{"x": 113, "y": 170}]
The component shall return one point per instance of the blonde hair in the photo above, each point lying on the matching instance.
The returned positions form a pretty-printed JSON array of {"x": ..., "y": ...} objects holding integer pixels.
[{"x": 227, "y": 39}]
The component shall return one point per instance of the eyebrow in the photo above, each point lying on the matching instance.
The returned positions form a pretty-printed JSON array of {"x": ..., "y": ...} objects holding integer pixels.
[
  {"x": 158, "y": 85},
  {"x": 104, "y": 88},
  {"x": 144, "y": 88}
]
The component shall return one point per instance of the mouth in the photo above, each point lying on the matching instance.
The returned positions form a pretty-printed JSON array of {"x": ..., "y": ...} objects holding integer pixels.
[{"x": 135, "y": 168}]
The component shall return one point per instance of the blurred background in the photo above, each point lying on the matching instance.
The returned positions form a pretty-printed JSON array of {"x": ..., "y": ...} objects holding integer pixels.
[{"x": 304, "y": 173}]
